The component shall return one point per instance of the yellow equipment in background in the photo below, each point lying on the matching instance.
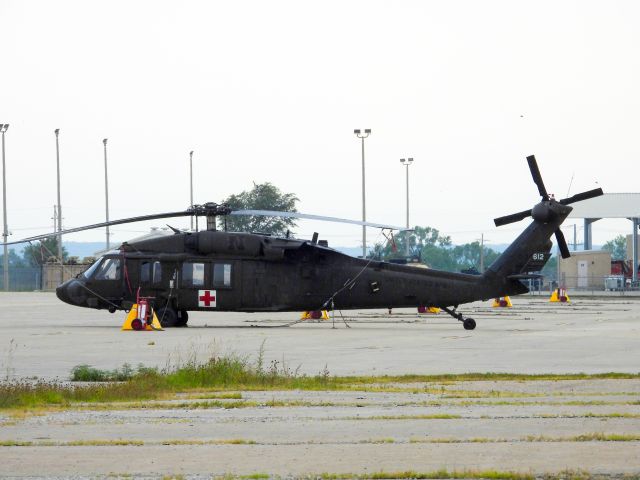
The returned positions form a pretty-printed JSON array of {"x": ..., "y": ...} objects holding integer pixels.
[
  {"x": 560, "y": 295},
  {"x": 502, "y": 302},
  {"x": 423, "y": 309},
  {"x": 315, "y": 315}
]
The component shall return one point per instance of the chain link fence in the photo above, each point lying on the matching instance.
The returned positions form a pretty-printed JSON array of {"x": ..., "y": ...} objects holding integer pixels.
[{"x": 22, "y": 279}]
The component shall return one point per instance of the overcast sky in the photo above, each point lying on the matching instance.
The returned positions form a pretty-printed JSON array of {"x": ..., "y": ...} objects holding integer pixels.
[{"x": 272, "y": 90}]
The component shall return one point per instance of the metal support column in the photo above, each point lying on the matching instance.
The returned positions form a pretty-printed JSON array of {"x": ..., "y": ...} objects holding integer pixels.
[
  {"x": 634, "y": 248},
  {"x": 587, "y": 233}
]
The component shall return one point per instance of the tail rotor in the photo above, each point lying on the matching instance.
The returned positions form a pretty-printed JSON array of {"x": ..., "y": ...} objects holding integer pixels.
[{"x": 543, "y": 211}]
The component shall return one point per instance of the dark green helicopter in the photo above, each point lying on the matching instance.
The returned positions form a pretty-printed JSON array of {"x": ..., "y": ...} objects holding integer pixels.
[{"x": 250, "y": 272}]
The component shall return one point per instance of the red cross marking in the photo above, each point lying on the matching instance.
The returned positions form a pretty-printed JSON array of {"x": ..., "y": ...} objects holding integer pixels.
[{"x": 207, "y": 298}]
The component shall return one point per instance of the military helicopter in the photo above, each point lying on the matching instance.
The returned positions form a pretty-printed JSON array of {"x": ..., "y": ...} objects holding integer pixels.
[{"x": 214, "y": 270}]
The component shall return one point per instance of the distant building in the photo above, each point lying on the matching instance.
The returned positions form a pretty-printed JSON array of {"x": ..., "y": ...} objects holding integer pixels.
[{"x": 586, "y": 269}]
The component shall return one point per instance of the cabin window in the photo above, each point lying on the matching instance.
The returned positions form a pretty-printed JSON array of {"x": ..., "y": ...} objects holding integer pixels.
[
  {"x": 150, "y": 272},
  {"x": 222, "y": 275},
  {"x": 109, "y": 270},
  {"x": 192, "y": 274},
  {"x": 145, "y": 272},
  {"x": 157, "y": 272}
]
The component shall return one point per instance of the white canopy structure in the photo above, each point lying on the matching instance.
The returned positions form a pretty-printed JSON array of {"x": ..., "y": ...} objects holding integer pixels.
[{"x": 610, "y": 205}]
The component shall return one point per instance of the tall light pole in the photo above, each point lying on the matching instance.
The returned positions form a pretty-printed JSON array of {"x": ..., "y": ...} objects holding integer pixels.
[
  {"x": 106, "y": 189},
  {"x": 5, "y": 232},
  {"x": 191, "y": 183},
  {"x": 407, "y": 163},
  {"x": 367, "y": 132},
  {"x": 59, "y": 214}
]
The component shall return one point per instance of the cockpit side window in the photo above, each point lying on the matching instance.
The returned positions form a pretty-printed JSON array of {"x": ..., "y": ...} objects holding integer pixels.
[{"x": 109, "y": 270}]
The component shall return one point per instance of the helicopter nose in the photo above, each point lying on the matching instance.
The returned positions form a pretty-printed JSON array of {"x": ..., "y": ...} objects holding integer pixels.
[{"x": 72, "y": 292}]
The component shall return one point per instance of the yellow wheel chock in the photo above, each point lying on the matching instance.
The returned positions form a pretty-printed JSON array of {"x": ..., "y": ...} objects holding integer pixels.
[
  {"x": 315, "y": 315},
  {"x": 560, "y": 295},
  {"x": 132, "y": 322},
  {"x": 502, "y": 302}
]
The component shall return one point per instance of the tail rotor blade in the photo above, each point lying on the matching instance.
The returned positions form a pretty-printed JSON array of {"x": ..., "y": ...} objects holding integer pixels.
[
  {"x": 537, "y": 178},
  {"x": 562, "y": 244},
  {"x": 514, "y": 217},
  {"x": 578, "y": 197}
]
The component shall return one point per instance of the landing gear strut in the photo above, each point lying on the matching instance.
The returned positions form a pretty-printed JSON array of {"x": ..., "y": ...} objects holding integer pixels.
[{"x": 467, "y": 323}]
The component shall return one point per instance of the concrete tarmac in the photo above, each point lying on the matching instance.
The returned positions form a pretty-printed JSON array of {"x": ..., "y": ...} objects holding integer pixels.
[
  {"x": 530, "y": 427},
  {"x": 43, "y": 337}
]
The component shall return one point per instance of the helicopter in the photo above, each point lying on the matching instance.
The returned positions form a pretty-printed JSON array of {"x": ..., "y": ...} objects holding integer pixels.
[{"x": 214, "y": 270}]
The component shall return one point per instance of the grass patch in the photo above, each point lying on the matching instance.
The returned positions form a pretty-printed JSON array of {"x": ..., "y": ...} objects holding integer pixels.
[
  {"x": 232, "y": 372},
  {"x": 87, "y": 373},
  {"x": 437, "y": 416},
  {"x": 439, "y": 474}
]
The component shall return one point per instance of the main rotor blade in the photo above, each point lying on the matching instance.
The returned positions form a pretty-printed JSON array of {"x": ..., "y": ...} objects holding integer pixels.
[
  {"x": 578, "y": 197},
  {"x": 272, "y": 213},
  {"x": 141, "y": 218},
  {"x": 537, "y": 178},
  {"x": 515, "y": 217},
  {"x": 562, "y": 244}
]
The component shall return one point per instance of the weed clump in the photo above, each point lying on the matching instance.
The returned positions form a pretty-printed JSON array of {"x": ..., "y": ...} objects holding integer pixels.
[{"x": 128, "y": 383}]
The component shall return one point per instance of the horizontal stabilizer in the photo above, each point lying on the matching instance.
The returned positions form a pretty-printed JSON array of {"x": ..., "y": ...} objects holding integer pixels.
[{"x": 525, "y": 276}]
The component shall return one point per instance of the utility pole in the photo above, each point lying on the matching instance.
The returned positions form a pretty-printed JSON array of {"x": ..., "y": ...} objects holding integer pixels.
[
  {"x": 5, "y": 232},
  {"x": 407, "y": 163},
  {"x": 106, "y": 189},
  {"x": 191, "y": 184},
  {"x": 59, "y": 210},
  {"x": 367, "y": 132}
]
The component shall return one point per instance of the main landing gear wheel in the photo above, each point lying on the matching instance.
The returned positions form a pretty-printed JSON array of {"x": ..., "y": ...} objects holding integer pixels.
[
  {"x": 183, "y": 318},
  {"x": 469, "y": 323},
  {"x": 168, "y": 317}
]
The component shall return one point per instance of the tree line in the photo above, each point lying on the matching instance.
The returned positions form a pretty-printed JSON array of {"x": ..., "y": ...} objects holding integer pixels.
[{"x": 425, "y": 243}]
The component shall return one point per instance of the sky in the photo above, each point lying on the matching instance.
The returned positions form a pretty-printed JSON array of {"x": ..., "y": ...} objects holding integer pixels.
[{"x": 272, "y": 91}]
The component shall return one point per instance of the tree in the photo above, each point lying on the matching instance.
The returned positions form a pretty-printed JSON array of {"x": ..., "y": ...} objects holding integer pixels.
[
  {"x": 38, "y": 253},
  {"x": 15, "y": 260},
  {"x": 263, "y": 196},
  {"x": 468, "y": 256},
  {"x": 435, "y": 250},
  {"x": 617, "y": 247}
]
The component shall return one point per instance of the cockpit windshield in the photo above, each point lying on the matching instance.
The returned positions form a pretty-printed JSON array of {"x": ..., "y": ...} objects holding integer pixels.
[
  {"x": 104, "y": 269},
  {"x": 109, "y": 269},
  {"x": 88, "y": 273}
]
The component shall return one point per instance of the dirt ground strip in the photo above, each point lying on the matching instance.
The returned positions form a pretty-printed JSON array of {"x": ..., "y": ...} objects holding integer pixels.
[{"x": 519, "y": 426}]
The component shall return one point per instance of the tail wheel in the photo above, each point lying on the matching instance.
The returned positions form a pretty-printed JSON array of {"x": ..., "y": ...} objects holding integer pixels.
[
  {"x": 168, "y": 317},
  {"x": 469, "y": 324}
]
